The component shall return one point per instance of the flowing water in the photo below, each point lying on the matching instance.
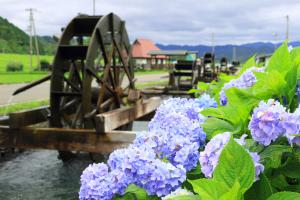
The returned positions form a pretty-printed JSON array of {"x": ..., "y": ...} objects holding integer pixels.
[{"x": 38, "y": 174}]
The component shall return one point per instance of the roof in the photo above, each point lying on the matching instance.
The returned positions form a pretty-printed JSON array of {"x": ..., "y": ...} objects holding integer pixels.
[
  {"x": 142, "y": 47},
  {"x": 171, "y": 52}
]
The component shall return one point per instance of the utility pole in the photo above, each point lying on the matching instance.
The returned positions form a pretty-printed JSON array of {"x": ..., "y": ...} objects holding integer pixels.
[
  {"x": 234, "y": 54},
  {"x": 32, "y": 35},
  {"x": 287, "y": 29},
  {"x": 213, "y": 43},
  {"x": 94, "y": 7}
]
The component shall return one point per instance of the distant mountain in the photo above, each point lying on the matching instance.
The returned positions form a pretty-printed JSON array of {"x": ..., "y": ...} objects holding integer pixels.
[
  {"x": 243, "y": 52},
  {"x": 15, "y": 40}
]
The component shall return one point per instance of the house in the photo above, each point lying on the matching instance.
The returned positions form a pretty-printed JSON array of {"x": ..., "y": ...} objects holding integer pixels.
[{"x": 142, "y": 58}]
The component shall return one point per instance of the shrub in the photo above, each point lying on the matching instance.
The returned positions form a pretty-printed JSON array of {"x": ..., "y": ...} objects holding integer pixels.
[
  {"x": 14, "y": 67},
  {"x": 45, "y": 66}
]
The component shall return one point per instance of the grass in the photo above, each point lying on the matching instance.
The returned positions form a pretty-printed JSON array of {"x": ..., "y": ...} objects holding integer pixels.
[
  {"x": 22, "y": 58},
  {"x": 151, "y": 84},
  {"x": 22, "y": 106},
  {"x": 20, "y": 77}
]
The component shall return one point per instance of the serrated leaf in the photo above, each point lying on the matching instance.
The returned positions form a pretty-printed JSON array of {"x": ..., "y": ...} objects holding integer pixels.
[
  {"x": 233, "y": 194},
  {"x": 285, "y": 196},
  {"x": 208, "y": 189},
  {"x": 133, "y": 192},
  {"x": 213, "y": 126},
  {"x": 271, "y": 156},
  {"x": 249, "y": 63},
  {"x": 235, "y": 164},
  {"x": 260, "y": 190},
  {"x": 280, "y": 60}
]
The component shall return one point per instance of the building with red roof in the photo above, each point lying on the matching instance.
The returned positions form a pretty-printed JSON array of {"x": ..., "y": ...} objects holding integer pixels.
[{"x": 140, "y": 54}]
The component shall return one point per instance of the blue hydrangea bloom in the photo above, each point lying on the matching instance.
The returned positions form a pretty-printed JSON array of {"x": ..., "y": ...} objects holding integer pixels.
[
  {"x": 205, "y": 101},
  {"x": 266, "y": 122},
  {"x": 247, "y": 79},
  {"x": 209, "y": 158},
  {"x": 291, "y": 125},
  {"x": 259, "y": 168},
  {"x": 177, "y": 193}
]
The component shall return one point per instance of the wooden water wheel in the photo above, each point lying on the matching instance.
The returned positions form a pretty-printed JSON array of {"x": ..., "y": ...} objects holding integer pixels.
[{"x": 91, "y": 71}]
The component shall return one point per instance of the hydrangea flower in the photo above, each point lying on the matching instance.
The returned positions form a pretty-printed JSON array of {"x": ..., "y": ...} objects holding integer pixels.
[
  {"x": 176, "y": 123},
  {"x": 259, "y": 168},
  {"x": 266, "y": 122},
  {"x": 247, "y": 79},
  {"x": 209, "y": 158},
  {"x": 98, "y": 183},
  {"x": 177, "y": 149},
  {"x": 205, "y": 101},
  {"x": 177, "y": 193},
  {"x": 141, "y": 165},
  {"x": 291, "y": 125}
]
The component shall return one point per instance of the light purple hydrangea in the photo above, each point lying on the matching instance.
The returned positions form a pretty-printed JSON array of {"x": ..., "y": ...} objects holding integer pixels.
[
  {"x": 247, "y": 79},
  {"x": 209, "y": 158},
  {"x": 291, "y": 125},
  {"x": 205, "y": 101},
  {"x": 266, "y": 122},
  {"x": 98, "y": 183},
  {"x": 177, "y": 149},
  {"x": 177, "y": 123}
]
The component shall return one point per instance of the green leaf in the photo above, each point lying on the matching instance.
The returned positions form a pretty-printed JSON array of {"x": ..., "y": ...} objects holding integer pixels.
[
  {"x": 195, "y": 173},
  {"x": 133, "y": 192},
  {"x": 235, "y": 164},
  {"x": 280, "y": 60},
  {"x": 249, "y": 63},
  {"x": 233, "y": 194},
  {"x": 213, "y": 126},
  {"x": 271, "y": 156},
  {"x": 208, "y": 189},
  {"x": 260, "y": 190},
  {"x": 285, "y": 196},
  {"x": 291, "y": 169}
]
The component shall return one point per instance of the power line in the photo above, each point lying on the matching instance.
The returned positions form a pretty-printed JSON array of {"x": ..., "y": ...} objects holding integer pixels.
[{"x": 33, "y": 36}]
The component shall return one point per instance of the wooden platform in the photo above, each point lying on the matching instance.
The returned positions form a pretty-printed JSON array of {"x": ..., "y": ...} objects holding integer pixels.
[{"x": 16, "y": 130}]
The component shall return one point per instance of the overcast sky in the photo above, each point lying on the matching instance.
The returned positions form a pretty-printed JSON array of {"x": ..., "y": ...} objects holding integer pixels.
[{"x": 171, "y": 21}]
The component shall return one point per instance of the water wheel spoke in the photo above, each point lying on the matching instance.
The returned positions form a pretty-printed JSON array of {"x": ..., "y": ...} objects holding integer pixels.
[
  {"x": 70, "y": 83},
  {"x": 68, "y": 105},
  {"x": 77, "y": 114},
  {"x": 77, "y": 73},
  {"x": 123, "y": 62}
]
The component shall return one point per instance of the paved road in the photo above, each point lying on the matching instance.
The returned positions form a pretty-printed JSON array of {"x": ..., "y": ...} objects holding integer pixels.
[{"x": 42, "y": 91}]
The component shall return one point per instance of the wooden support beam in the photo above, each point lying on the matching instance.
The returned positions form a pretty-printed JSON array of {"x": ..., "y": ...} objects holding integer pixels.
[
  {"x": 64, "y": 139},
  {"x": 28, "y": 117},
  {"x": 111, "y": 120}
]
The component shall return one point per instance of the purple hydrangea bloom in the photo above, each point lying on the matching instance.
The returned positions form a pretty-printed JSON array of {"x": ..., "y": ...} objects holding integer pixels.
[
  {"x": 205, "y": 101},
  {"x": 176, "y": 123},
  {"x": 259, "y": 168},
  {"x": 98, "y": 183},
  {"x": 177, "y": 149},
  {"x": 209, "y": 158},
  {"x": 247, "y": 79},
  {"x": 188, "y": 107},
  {"x": 266, "y": 122},
  {"x": 291, "y": 125}
]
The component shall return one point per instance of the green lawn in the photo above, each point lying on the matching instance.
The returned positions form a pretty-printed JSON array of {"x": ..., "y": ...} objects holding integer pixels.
[
  {"x": 19, "y": 77},
  {"x": 4, "y": 110},
  {"x": 22, "y": 58}
]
